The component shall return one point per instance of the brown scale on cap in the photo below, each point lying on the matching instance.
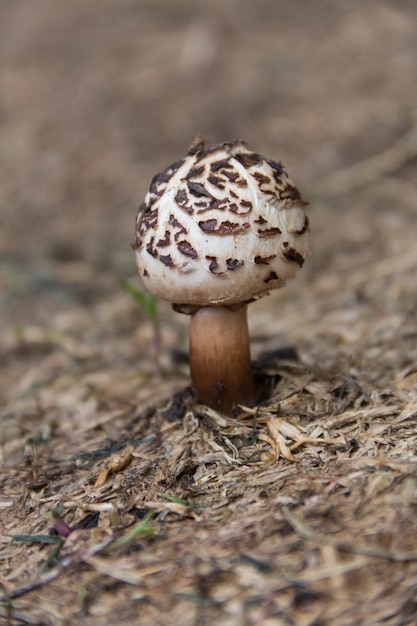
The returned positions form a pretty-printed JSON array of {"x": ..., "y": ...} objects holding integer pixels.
[
  {"x": 293, "y": 255},
  {"x": 271, "y": 276},
  {"x": 232, "y": 264},
  {"x": 165, "y": 241},
  {"x": 269, "y": 232},
  {"x": 264, "y": 260},
  {"x": 186, "y": 248}
]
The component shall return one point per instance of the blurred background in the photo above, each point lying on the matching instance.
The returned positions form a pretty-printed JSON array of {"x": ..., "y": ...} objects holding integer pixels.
[{"x": 97, "y": 96}]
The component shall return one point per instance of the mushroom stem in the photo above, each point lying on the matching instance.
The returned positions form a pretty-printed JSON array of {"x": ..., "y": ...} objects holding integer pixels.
[{"x": 220, "y": 358}]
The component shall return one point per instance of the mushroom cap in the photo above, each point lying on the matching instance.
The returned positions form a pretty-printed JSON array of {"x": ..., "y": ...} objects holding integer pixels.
[{"x": 221, "y": 227}]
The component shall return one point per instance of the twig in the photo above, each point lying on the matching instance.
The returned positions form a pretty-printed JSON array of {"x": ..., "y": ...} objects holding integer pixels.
[
  {"x": 83, "y": 555},
  {"x": 371, "y": 169},
  {"x": 345, "y": 546},
  {"x": 66, "y": 564}
]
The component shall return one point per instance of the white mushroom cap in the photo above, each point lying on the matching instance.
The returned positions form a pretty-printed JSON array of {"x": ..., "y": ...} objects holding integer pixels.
[{"x": 221, "y": 227}]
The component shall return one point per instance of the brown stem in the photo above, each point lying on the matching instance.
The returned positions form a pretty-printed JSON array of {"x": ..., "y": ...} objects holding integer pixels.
[{"x": 220, "y": 358}]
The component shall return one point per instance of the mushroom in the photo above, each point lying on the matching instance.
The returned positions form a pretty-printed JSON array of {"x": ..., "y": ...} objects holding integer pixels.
[{"x": 217, "y": 230}]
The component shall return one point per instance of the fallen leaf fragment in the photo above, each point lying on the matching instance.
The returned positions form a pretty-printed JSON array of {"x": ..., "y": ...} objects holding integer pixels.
[{"x": 115, "y": 463}]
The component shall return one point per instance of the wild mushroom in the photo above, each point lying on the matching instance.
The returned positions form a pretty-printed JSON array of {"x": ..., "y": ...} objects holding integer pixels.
[{"x": 218, "y": 229}]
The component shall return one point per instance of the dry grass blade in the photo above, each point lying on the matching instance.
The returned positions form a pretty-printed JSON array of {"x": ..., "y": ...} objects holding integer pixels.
[
  {"x": 124, "y": 570},
  {"x": 64, "y": 566},
  {"x": 83, "y": 555},
  {"x": 371, "y": 169},
  {"x": 344, "y": 545}
]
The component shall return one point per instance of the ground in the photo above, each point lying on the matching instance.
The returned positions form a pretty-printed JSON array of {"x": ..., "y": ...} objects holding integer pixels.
[{"x": 122, "y": 500}]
